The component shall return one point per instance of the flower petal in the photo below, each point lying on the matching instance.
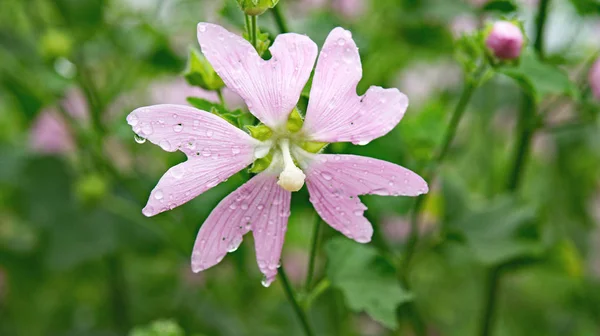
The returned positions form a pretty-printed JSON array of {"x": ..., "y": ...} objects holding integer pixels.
[
  {"x": 270, "y": 88},
  {"x": 335, "y": 182},
  {"x": 335, "y": 112},
  {"x": 259, "y": 205},
  {"x": 215, "y": 150}
]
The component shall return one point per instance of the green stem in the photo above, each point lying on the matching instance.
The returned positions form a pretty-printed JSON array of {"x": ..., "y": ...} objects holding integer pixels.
[
  {"x": 319, "y": 289},
  {"x": 289, "y": 292},
  {"x": 221, "y": 98},
  {"x": 492, "y": 287},
  {"x": 429, "y": 175},
  {"x": 254, "y": 31},
  {"x": 280, "y": 19},
  {"x": 313, "y": 254},
  {"x": 118, "y": 293},
  {"x": 526, "y": 128},
  {"x": 540, "y": 23}
]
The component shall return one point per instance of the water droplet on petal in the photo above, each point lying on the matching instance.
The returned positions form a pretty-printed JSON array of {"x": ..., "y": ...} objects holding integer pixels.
[
  {"x": 233, "y": 206},
  {"x": 326, "y": 176},
  {"x": 139, "y": 139},
  {"x": 202, "y": 27},
  {"x": 165, "y": 145},
  {"x": 266, "y": 282},
  {"x": 235, "y": 150},
  {"x": 133, "y": 119},
  {"x": 358, "y": 212},
  {"x": 148, "y": 211},
  {"x": 147, "y": 129},
  {"x": 260, "y": 207},
  {"x": 341, "y": 41},
  {"x": 209, "y": 133},
  {"x": 206, "y": 152},
  {"x": 178, "y": 128},
  {"x": 158, "y": 194},
  {"x": 177, "y": 172},
  {"x": 244, "y": 207}
]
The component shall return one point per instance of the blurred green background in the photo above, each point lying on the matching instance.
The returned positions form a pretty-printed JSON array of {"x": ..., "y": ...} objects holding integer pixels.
[{"x": 78, "y": 258}]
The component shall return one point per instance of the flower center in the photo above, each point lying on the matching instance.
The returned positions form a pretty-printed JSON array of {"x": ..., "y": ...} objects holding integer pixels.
[{"x": 292, "y": 177}]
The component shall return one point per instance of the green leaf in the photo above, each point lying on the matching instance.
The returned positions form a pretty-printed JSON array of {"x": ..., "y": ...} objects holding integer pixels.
[
  {"x": 587, "y": 7},
  {"x": 159, "y": 328},
  {"x": 367, "y": 281},
  {"x": 502, "y": 6},
  {"x": 200, "y": 73},
  {"x": 499, "y": 231},
  {"x": 539, "y": 78}
]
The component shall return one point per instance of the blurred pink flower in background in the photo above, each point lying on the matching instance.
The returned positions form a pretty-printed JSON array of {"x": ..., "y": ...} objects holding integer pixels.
[
  {"x": 50, "y": 133},
  {"x": 178, "y": 90},
  {"x": 368, "y": 327},
  {"x": 421, "y": 81},
  {"x": 594, "y": 79},
  {"x": 463, "y": 24},
  {"x": 397, "y": 228},
  {"x": 350, "y": 9},
  {"x": 296, "y": 261}
]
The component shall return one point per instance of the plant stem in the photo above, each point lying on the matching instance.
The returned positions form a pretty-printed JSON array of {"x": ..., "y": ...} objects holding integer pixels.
[
  {"x": 289, "y": 292},
  {"x": 221, "y": 99},
  {"x": 525, "y": 130},
  {"x": 118, "y": 293},
  {"x": 254, "y": 31},
  {"x": 280, "y": 19},
  {"x": 313, "y": 254},
  {"x": 540, "y": 23},
  {"x": 429, "y": 174}
]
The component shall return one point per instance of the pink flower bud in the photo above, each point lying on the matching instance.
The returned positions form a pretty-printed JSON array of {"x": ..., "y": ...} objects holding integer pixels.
[
  {"x": 595, "y": 79},
  {"x": 505, "y": 40}
]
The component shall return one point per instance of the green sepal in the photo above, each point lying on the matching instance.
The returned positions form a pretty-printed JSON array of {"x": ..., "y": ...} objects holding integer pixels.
[
  {"x": 313, "y": 146},
  {"x": 262, "y": 44},
  {"x": 238, "y": 118},
  {"x": 200, "y": 73},
  {"x": 295, "y": 121},
  {"x": 260, "y": 132},
  {"x": 256, "y": 7},
  {"x": 261, "y": 164}
]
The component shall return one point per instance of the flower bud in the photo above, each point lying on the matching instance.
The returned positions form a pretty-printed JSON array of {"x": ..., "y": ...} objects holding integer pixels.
[
  {"x": 594, "y": 78},
  {"x": 256, "y": 7},
  {"x": 505, "y": 40}
]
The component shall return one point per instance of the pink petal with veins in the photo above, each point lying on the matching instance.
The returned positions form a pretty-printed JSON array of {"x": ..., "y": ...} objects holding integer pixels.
[
  {"x": 270, "y": 88},
  {"x": 259, "y": 205},
  {"x": 335, "y": 112},
  {"x": 215, "y": 150},
  {"x": 335, "y": 182}
]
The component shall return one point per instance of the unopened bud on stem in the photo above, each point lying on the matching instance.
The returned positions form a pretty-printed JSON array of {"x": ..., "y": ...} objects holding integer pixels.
[{"x": 505, "y": 40}]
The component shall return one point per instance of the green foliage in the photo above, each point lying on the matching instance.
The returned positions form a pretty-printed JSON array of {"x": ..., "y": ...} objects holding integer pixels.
[
  {"x": 367, "y": 280},
  {"x": 256, "y": 7},
  {"x": 587, "y": 7},
  {"x": 260, "y": 132},
  {"x": 237, "y": 117},
  {"x": 159, "y": 328},
  {"x": 540, "y": 79},
  {"x": 200, "y": 73},
  {"x": 499, "y": 231},
  {"x": 501, "y": 6}
]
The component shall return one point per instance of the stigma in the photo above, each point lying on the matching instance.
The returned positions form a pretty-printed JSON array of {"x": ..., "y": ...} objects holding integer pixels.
[{"x": 291, "y": 178}]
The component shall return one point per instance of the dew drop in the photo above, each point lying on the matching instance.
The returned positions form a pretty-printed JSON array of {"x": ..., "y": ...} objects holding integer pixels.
[
  {"x": 358, "y": 212},
  {"x": 158, "y": 194},
  {"x": 178, "y": 128},
  {"x": 133, "y": 119},
  {"x": 165, "y": 145},
  {"x": 233, "y": 206},
  {"x": 245, "y": 207},
  {"x": 341, "y": 41},
  {"x": 148, "y": 211},
  {"x": 209, "y": 133},
  {"x": 260, "y": 207},
  {"x": 326, "y": 176},
  {"x": 147, "y": 129},
  {"x": 177, "y": 172},
  {"x": 265, "y": 282},
  {"x": 202, "y": 28},
  {"x": 235, "y": 150},
  {"x": 206, "y": 152},
  {"x": 139, "y": 139}
]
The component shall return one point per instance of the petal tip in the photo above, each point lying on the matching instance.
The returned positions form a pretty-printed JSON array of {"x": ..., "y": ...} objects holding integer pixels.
[{"x": 148, "y": 211}]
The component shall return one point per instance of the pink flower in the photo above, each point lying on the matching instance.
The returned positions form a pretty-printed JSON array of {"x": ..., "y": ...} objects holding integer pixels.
[
  {"x": 216, "y": 150},
  {"x": 594, "y": 78},
  {"x": 505, "y": 40},
  {"x": 50, "y": 133}
]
